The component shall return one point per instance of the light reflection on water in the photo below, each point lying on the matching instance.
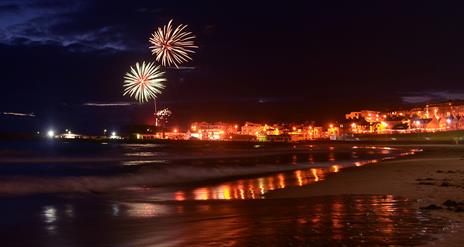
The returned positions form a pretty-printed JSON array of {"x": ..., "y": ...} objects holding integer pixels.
[
  {"x": 49, "y": 218},
  {"x": 187, "y": 218},
  {"x": 256, "y": 187},
  {"x": 323, "y": 221},
  {"x": 143, "y": 162},
  {"x": 49, "y": 213},
  {"x": 142, "y": 154},
  {"x": 145, "y": 210}
]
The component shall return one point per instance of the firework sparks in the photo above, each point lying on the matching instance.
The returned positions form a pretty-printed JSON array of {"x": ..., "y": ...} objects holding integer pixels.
[
  {"x": 172, "y": 46},
  {"x": 162, "y": 114},
  {"x": 144, "y": 81}
]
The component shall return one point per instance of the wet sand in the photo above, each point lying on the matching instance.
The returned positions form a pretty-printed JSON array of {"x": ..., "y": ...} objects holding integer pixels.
[
  {"x": 227, "y": 211},
  {"x": 316, "y": 221},
  {"x": 430, "y": 177}
]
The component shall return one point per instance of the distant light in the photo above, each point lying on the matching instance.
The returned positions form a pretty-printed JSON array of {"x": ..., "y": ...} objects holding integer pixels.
[
  {"x": 175, "y": 130},
  {"x": 114, "y": 135},
  {"x": 448, "y": 120},
  {"x": 51, "y": 133}
]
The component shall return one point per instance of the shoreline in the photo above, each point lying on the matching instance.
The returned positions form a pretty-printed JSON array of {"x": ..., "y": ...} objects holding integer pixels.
[
  {"x": 404, "y": 177},
  {"x": 428, "y": 178}
]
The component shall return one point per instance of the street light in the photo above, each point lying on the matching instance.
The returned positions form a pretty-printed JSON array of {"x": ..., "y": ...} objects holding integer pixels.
[{"x": 51, "y": 133}]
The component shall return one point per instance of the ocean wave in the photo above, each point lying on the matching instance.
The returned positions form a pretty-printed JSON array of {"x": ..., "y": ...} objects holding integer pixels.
[
  {"x": 161, "y": 172},
  {"x": 167, "y": 175}
]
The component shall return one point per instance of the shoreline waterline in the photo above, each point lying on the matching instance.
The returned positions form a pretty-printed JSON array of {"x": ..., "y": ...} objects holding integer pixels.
[
  {"x": 440, "y": 166},
  {"x": 157, "y": 169},
  {"x": 149, "y": 207}
]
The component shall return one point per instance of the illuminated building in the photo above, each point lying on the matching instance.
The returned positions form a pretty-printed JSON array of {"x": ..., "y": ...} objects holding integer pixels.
[
  {"x": 69, "y": 135},
  {"x": 429, "y": 118},
  {"x": 213, "y": 131},
  {"x": 252, "y": 129},
  {"x": 368, "y": 115}
]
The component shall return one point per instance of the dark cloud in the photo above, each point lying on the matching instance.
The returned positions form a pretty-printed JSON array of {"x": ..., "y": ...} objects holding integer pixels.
[
  {"x": 432, "y": 96},
  {"x": 108, "y": 104},
  {"x": 416, "y": 99},
  {"x": 61, "y": 23},
  {"x": 19, "y": 114}
]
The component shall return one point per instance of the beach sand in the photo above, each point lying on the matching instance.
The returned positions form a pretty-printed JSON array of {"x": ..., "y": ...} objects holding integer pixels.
[{"x": 429, "y": 177}]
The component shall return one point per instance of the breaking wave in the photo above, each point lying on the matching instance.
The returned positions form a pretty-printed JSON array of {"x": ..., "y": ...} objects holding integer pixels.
[{"x": 150, "y": 172}]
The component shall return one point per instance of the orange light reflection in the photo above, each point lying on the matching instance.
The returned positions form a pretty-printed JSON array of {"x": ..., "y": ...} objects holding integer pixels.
[
  {"x": 314, "y": 172},
  {"x": 180, "y": 196},
  {"x": 299, "y": 178}
]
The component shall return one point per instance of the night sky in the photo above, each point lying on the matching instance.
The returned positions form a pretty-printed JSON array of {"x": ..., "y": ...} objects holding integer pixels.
[{"x": 65, "y": 60}]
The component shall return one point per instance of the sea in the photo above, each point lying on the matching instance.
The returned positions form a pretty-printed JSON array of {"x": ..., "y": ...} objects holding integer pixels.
[{"x": 83, "y": 193}]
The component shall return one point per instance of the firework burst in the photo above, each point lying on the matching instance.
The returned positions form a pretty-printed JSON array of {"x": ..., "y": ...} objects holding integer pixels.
[
  {"x": 144, "y": 82},
  {"x": 172, "y": 46}
]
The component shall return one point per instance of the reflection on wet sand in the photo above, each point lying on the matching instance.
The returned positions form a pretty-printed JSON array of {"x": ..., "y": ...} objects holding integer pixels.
[
  {"x": 245, "y": 188},
  {"x": 320, "y": 221},
  {"x": 255, "y": 188},
  {"x": 220, "y": 215}
]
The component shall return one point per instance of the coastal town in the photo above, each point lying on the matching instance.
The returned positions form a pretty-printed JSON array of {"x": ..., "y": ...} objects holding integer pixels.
[{"x": 429, "y": 118}]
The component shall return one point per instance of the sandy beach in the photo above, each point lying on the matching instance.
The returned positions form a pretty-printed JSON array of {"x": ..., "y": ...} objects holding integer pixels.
[
  {"x": 428, "y": 178},
  {"x": 325, "y": 194}
]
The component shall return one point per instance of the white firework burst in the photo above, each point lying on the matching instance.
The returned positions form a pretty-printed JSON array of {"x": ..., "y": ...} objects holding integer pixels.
[
  {"x": 172, "y": 46},
  {"x": 144, "y": 82}
]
